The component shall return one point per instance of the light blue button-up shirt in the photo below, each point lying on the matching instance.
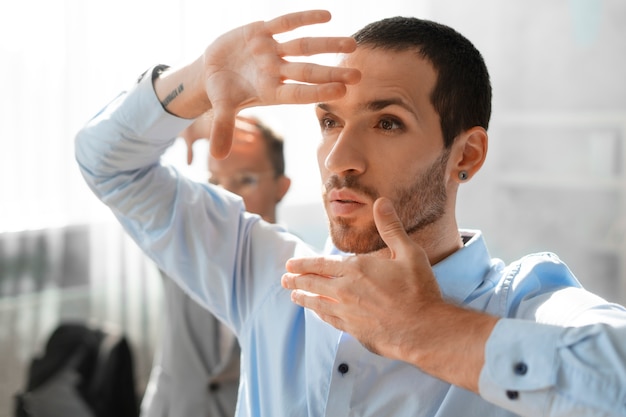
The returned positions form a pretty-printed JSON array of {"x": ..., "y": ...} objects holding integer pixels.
[{"x": 293, "y": 363}]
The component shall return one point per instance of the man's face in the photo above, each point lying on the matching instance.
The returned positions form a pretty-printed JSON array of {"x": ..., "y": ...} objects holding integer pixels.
[
  {"x": 382, "y": 139},
  {"x": 248, "y": 172}
]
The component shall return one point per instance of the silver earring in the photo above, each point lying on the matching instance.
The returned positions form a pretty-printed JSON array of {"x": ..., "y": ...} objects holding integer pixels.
[{"x": 463, "y": 175}]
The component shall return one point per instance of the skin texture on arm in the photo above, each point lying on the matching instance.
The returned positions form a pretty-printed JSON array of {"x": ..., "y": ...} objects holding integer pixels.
[
  {"x": 399, "y": 314},
  {"x": 255, "y": 75}
]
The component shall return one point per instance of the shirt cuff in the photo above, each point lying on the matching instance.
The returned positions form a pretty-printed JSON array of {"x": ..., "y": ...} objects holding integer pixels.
[
  {"x": 521, "y": 365},
  {"x": 143, "y": 113}
]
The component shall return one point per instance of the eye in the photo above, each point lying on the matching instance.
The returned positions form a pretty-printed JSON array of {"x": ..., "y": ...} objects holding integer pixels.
[
  {"x": 247, "y": 180},
  {"x": 390, "y": 124},
  {"x": 327, "y": 123}
]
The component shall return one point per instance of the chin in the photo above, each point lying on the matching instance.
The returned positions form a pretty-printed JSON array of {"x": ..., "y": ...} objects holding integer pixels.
[{"x": 350, "y": 239}]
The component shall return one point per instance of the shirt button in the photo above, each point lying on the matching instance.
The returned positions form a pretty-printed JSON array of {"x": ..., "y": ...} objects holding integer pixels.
[
  {"x": 343, "y": 368},
  {"x": 214, "y": 386},
  {"x": 520, "y": 368},
  {"x": 512, "y": 395}
]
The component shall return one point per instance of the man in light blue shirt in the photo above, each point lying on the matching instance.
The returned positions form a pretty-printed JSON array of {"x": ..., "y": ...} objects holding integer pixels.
[{"x": 421, "y": 321}]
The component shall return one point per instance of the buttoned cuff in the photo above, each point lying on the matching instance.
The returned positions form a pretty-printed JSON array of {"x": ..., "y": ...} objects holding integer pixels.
[{"x": 521, "y": 366}]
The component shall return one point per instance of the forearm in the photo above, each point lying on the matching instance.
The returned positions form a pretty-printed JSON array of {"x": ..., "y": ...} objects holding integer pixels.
[
  {"x": 173, "y": 219},
  {"x": 130, "y": 133},
  {"x": 451, "y": 344},
  {"x": 118, "y": 153}
]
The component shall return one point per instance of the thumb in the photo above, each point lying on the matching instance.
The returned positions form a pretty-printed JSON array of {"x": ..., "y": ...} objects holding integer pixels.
[
  {"x": 222, "y": 133},
  {"x": 390, "y": 227}
]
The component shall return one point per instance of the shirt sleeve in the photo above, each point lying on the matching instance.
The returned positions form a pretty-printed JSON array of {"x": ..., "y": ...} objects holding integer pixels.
[
  {"x": 195, "y": 233},
  {"x": 537, "y": 369}
]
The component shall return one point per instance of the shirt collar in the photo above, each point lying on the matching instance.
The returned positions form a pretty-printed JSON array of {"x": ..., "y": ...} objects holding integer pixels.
[{"x": 462, "y": 272}]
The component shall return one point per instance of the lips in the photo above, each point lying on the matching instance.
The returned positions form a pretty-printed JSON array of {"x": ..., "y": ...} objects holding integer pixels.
[
  {"x": 344, "y": 196},
  {"x": 344, "y": 203}
]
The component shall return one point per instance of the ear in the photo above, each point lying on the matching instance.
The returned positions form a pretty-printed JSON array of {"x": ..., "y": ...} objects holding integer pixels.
[
  {"x": 469, "y": 152},
  {"x": 284, "y": 183}
]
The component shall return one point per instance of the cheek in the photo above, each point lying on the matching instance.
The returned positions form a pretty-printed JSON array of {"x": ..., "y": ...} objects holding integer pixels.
[
  {"x": 254, "y": 203},
  {"x": 391, "y": 170},
  {"x": 262, "y": 202}
]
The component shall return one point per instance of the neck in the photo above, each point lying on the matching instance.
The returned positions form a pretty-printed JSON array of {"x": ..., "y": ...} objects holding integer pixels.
[{"x": 439, "y": 244}]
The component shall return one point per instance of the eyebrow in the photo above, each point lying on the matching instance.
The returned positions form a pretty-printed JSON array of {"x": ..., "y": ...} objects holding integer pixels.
[{"x": 375, "y": 105}]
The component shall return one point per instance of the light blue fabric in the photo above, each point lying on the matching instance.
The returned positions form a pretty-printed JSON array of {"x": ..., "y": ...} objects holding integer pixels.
[{"x": 232, "y": 262}]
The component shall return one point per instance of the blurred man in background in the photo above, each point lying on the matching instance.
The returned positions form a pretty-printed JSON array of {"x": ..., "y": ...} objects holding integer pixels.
[{"x": 196, "y": 369}]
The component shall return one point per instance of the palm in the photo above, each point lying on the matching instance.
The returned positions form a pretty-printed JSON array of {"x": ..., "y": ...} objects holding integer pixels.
[
  {"x": 246, "y": 67},
  {"x": 248, "y": 76}
]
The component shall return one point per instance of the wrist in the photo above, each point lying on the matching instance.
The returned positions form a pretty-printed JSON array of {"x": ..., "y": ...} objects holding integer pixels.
[
  {"x": 181, "y": 91},
  {"x": 449, "y": 343}
]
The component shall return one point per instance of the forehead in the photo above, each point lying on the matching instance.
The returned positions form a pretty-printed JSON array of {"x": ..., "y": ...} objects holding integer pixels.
[
  {"x": 246, "y": 131},
  {"x": 403, "y": 76}
]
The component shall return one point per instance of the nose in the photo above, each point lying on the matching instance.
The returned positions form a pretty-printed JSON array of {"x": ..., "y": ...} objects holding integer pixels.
[{"x": 347, "y": 153}]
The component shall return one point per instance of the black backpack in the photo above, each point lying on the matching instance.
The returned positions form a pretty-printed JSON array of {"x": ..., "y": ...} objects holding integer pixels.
[{"x": 83, "y": 372}]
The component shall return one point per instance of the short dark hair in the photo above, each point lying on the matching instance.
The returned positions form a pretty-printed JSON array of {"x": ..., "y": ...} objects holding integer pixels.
[
  {"x": 274, "y": 144},
  {"x": 462, "y": 93}
]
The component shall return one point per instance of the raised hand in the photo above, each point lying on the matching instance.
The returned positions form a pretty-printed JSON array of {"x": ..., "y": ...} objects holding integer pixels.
[
  {"x": 393, "y": 306},
  {"x": 371, "y": 297},
  {"x": 246, "y": 67}
]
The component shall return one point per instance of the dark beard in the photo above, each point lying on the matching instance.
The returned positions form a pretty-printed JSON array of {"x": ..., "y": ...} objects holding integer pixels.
[{"x": 418, "y": 206}]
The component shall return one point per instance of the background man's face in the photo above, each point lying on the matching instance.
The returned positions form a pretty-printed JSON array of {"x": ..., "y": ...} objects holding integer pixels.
[{"x": 248, "y": 172}]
